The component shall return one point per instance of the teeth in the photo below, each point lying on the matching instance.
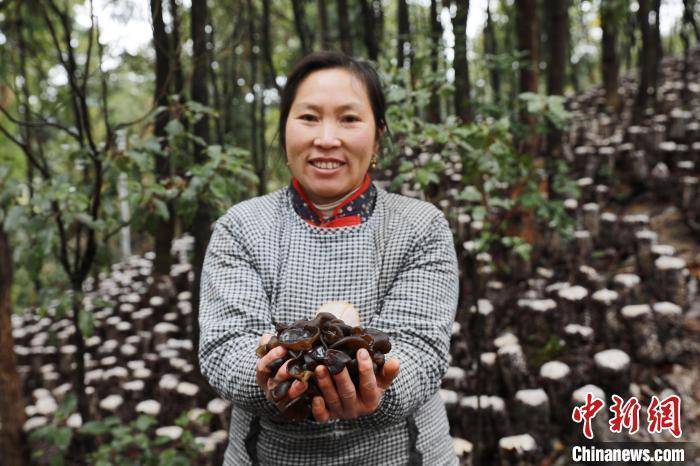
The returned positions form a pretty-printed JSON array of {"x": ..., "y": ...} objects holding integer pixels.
[{"x": 326, "y": 165}]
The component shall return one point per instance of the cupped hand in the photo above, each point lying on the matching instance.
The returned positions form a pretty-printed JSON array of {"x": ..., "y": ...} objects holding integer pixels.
[
  {"x": 341, "y": 400},
  {"x": 267, "y": 381}
]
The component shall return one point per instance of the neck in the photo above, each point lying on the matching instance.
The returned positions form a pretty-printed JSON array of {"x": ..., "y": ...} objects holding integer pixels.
[{"x": 321, "y": 202}]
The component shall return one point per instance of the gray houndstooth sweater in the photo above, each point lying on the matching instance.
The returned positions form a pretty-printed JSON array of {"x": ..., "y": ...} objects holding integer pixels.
[{"x": 265, "y": 264}]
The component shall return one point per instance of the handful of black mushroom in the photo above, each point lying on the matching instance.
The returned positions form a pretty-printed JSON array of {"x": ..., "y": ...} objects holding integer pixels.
[{"x": 326, "y": 340}]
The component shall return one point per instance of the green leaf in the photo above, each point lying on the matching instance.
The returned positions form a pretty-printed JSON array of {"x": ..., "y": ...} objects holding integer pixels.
[
  {"x": 161, "y": 209},
  {"x": 13, "y": 218},
  {"x": 174, "y": 128},
  {"x": 143, "y": 422},
  {"x": 86, "y": 322},
  {"x": 470, "y": 194},
  {"x": 94, "y": 428},
  {"x": 62, "y": 437}
]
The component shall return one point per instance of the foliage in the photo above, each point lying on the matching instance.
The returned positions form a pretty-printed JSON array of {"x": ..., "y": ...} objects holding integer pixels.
[
  {"x": 500, "y": 184},
  {"x": 57, "y": 435},
  {"x": 136, "y": 443}
]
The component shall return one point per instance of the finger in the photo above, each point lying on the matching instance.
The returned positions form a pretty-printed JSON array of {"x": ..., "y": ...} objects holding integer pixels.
[
  {"x": 298, "y": 387},
  {"x": 318, "y": 409},
  {"x": 346, "y": 392},
  {"x": 262, "y": 372},
  {"x": 264, "y": 338},
  {"x": 388, "y": 373},
  {"x": 330, "y": 394},
  {"x": 369, "y": 392},
  {"x": 282, "y": 373}
]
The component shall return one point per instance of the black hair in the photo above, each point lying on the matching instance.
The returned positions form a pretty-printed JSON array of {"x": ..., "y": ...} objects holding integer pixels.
[{"x": 322, "y": 60}]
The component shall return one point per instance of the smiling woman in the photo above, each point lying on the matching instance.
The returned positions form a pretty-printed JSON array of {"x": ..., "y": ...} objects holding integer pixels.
[
  {"x": 330, "y": 135},
  {"x": 332, "y": 235}
]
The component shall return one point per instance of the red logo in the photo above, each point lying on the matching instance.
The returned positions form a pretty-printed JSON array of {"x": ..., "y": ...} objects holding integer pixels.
[
  {"x": 624, "y": 415},
  {"x": 665, "y": 415},
  {"x": 661, "y": 415},
  {"x": 586, "y": 413}
]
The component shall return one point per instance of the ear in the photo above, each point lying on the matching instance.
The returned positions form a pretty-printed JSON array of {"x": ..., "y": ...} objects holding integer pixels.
[{"x": 380, "y": 135}]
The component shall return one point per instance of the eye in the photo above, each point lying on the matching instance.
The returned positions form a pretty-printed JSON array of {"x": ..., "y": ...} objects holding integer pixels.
[
  {"x": 350, "y": 118},
  {"x": 308, "y": 117}
]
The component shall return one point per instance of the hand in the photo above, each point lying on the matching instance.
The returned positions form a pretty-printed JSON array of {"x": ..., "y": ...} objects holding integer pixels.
[
  {"x": 264, "y": 377},
  {"x": 340, "y": 400}
]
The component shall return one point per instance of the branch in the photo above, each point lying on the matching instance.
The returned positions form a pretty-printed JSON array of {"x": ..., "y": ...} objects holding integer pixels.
[
  {"x": 44, "y": 122},
  {"x": 91, "y": 31},
  {"x": 26, "y": 150}
]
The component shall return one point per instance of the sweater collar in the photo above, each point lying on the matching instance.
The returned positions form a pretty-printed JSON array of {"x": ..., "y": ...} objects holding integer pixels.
[{"x": 354, "y": 210}]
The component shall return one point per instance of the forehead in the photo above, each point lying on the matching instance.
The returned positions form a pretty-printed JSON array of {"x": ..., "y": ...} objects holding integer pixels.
[{"x": 335, "y": 87}]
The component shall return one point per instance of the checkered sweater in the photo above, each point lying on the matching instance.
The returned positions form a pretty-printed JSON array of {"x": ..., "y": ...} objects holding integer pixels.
[{"x": 265, "y": 265}]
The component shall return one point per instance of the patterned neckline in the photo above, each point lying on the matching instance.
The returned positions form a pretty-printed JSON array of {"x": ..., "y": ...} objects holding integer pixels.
[{"x": 354, "y": 210}]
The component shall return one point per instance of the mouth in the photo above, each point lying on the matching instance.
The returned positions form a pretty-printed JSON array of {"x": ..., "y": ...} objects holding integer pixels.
[{"x": 326, "y": 166}]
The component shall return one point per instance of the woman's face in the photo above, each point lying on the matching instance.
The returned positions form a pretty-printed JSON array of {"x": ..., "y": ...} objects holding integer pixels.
[{"x": 330, "y": 134}]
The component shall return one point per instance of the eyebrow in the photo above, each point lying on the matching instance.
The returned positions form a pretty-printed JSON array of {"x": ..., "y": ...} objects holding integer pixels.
[{"x": 348, "y": 106}]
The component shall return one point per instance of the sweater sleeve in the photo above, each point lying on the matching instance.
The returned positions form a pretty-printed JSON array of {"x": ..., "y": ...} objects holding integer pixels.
[
  {"x": 234, "y": 311},
  {"x": 417, "y": 314}
]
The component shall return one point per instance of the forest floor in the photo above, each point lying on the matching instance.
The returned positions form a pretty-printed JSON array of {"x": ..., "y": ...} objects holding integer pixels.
[{"x": 667, "y": 221}]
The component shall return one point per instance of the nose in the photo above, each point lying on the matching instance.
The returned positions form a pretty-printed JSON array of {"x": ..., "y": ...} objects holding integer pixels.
[{"x": 328, "y": 137}]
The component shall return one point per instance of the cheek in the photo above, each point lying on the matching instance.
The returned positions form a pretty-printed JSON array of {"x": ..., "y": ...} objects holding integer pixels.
[{"x": 294, "y": 138}]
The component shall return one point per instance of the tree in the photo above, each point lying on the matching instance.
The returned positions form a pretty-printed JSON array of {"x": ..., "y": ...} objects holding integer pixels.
[
  {"x": 611, "y": 13},
  {"x": 491, "y": 49},
  {"x": 403, "y": 39},
  {"x": 344, "y": 26},
  {"x": 13, "y": 441},
  {"x": 164, "y": 228},
  {"x": 302, "y": 29},
  {"x": 369, "y": 28},
  {"x": 649, "y": 56},
  {"x": 435, "y": 50},
  {"x": 528, "y": 44},
  {"x": 198, "y": 91},
  {"x": 461, "y": 66},
  {"x": 689, "y": 17},
  {"x": 558, "y": 38},
  {"x": 323, "y": 24}
]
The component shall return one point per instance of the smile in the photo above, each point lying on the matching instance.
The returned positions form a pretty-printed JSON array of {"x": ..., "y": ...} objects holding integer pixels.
[{"x": 322, "y": 165}]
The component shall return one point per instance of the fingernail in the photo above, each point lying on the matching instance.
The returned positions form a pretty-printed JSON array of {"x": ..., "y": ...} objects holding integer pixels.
[
  {"x": 317, "y": 402},
  {"x": 363, "y": 354}
]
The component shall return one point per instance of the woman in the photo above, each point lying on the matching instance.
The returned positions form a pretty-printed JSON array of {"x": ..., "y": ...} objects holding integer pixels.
[{"x": 332, "y": 235}]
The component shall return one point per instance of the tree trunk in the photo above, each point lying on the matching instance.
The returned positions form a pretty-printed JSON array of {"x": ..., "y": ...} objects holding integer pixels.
[
  {"x": 178, "y": 79},
  {"x": 610, "y": 62},
  {"x": 689, "y": 17},
  {"x": 369, "y": 27},
  {"x": 658, "y": 49},
  {"x": 164, "y": 229},
  {"x": 491, "y": 48},
  {"x": 380, "y": 21},
  {"x": 344, "y": 26},
  {"x": 13, "y": 441},
  {"x": 404, "y": 33},
  {"x": 435, "y": 50},
  {"x": 271, "y": 76},
  {"x": 201, "y": 226},
  {"x": 216, "y": 95},
  {"x": 300, "y": 25},
  {"x": 256, "y": 151},
  {"x": 461, "y": 66},
  {"x": 558, "y": 11},
  {"x": 323, "y": 24},
  {"x": 528, "y": 43},
  {"x": 646, "y": 61}
]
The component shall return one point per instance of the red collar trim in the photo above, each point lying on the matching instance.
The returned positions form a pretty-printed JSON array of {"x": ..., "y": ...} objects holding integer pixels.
[
  {"x": 347, "y": 221},
  {"x": 365, "y": 185}
]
